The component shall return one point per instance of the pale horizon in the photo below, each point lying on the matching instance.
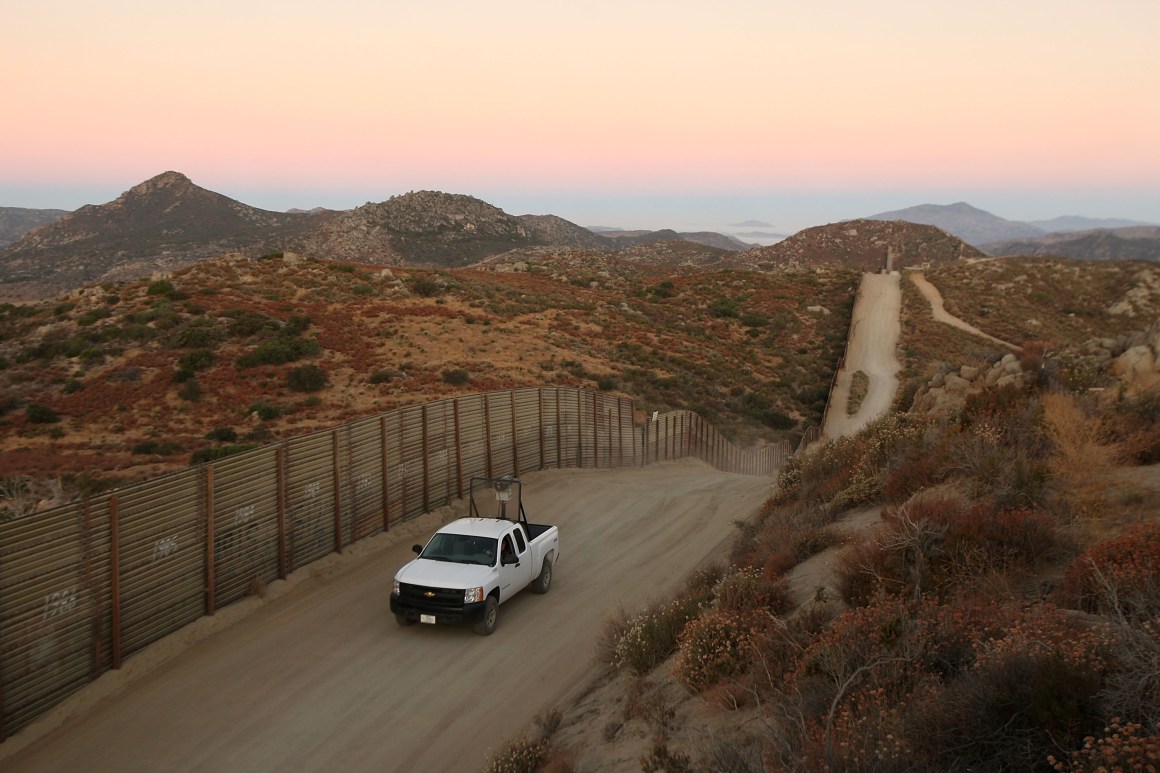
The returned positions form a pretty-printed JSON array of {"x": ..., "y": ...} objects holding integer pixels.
[{"x": 637, "y": 115}]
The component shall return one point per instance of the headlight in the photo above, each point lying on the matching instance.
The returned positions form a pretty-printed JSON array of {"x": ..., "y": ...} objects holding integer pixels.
[
  {"x": 473, "y": 595},
  {"x": 396, "y": 590}
]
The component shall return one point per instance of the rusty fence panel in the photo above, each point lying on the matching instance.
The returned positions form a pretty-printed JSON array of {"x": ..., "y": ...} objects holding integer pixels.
[
  {"x": 364, "y": 481},
  {"x": 162, "y": 558},
  {"x": 550, "y": 428},
  {"x": 499, "y": 430},
  {"x": 391, "y": 429},
  {"x": 410, "y": 472},
  {"x": 51, "y": 601},
  {"x": 527, "y": 429},
  {"x": 310, "y": 498},
  {"x": 472, "y": 439},
  {"x": 246, "y": 543},
  {"x": 440, "y": 453}
]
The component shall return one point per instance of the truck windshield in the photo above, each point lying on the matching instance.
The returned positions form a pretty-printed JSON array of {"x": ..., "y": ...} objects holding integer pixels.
[{"x": 461, "y": 549}]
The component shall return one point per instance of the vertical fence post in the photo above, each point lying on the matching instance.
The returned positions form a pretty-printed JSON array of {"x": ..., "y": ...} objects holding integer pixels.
[
  {"x": 115, "y": 577},
  {"x": 280, "y": 461},
  {"x": 403, "y": 469},
  {"x": 458, "y": 452},
  {"x": 595, "y": 430},
  {"x": 515, "y": 437},
  {"x": 87, "y": 546},
  {"x": 487, "y": 435},
  {"x": 386, "y": 465},
  {"x": 579, "y": 428},
  {"x": 559, "y": 434},
  {"x": 426, "y": 461},
  {"x": 210, "y": 559},
  {"x": 540, "y": 397},
  {"x": 337, "y": 492}
]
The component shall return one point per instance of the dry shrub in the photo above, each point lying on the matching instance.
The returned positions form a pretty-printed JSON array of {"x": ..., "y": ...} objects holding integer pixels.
[
  {"x": 1136, "y": 422},
  {"x": 1119, "y": 577},
  {"x": 777, "y": 564},
  {"x": 937, "y": 544},
  {"x": 521, "y": 755},
  {"x": 701, "y": 582},
  {"x": 714, "y": 646},
  {"x": 1082, "y": 457},
  {"x": 1030, "y": 691},
  {"x": 1123, "y": 746},
  {"x": 814, "y": 541},
  {"x": 652, "y": 635},
  {"x": 917, "y": 471},
  {"x": 609, "y": 639},
  {"x": 748, "y": 590}
]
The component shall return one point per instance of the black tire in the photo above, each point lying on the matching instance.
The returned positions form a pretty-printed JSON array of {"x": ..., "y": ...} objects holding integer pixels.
[
  {"x": 486, "y": 626},
  {"x": 542, "y": 583},
  {"x": 403, "y": 620}
]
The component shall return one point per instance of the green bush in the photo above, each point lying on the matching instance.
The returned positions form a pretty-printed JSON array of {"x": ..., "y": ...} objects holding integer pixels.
[
  {"x": 190, "y": 390},
  {"x": 38, "y": 413},
  {"x": 606, "y": 383},
  {"x": 381, "y": 377},
  {"x": 425, "y": 286},
  {"x": 72, "y": 386},
  {"x": 265, "y": 411},
  {"x": 456, "y": 377},
  {"x": 91, "y": 317},
  {"x": 218, "y": 452},
  {"x": 200, "y": 334},
  {"x": 223, "y": 434},
  {"x": 725, "y": 308},
  {"x": 247, "y": 323},
  {"x": 153, "y": 447},
  {"x": 198, "y": 359},
  {"x": 278, "y": 351},
  {"x": 160, "y": 287},
  {"x": 296, "y": 325},
  {"x": 307, "y": 378}
]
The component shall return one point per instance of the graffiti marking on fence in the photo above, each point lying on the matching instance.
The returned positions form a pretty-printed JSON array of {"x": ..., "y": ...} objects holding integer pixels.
[{"x": 59, "y": 603}]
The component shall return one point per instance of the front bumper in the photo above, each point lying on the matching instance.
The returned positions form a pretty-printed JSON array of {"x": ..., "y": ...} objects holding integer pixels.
[{"x": 468, "y": 613}]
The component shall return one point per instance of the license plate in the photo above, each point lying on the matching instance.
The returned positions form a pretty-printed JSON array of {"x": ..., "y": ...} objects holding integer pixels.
[{"x": 427, "y": 619}]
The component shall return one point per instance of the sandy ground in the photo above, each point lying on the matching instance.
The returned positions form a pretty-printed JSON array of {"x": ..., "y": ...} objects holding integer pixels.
[
  {"x": 321, "y": 677},
  {"x": 934, "y": 297},
  {"x": 871, "y": 349}
]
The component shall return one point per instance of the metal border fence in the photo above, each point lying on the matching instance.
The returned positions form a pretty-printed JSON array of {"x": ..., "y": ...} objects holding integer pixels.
[{"x": 85, "y": 585}]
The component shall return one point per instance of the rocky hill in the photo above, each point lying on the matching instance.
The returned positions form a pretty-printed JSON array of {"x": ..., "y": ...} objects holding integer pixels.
[
  {"x": 864, "y": 244},
  {"x": 1131, "y": 243},
  {"x": 17, "y": 221},
  {"x": 160, "y": 225}
]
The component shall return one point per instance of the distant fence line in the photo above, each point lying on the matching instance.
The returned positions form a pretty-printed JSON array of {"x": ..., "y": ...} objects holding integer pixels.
[{"x": 85, "y": 585}]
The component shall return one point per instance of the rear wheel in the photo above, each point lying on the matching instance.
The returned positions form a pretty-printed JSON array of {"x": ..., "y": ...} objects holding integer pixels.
[
  {"x": 486, "y": 626},
  {"x": 544, "y": 581}
]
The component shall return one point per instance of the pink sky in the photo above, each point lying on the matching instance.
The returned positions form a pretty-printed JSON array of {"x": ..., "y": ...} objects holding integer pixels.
[{"x": 365, "y": 100}]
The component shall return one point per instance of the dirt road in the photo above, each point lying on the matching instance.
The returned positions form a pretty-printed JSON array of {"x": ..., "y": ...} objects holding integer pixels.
[
  {"x": 934, "y": 297},
  {"x": 323, "y": 679},
  {"x": 874, "y": 334}
]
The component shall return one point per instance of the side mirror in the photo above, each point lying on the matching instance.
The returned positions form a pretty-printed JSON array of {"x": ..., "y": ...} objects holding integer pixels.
[
  {"x": 509, "y": 560},
  {"x": 417, "y": 548}
]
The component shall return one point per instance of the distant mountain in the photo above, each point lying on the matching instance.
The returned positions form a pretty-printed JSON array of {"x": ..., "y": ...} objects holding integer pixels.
[
  {"x": 17, "y": 221},
  {"x": 1073, "y": 223},
  {"x": 862, "y": 244},
  {"x": 162, "y": 224},
  {"x": 970, "y": 224},
  {"x": 622, "y": 239},
  {"x": 1132, "y": 243},
  {"x": 751, "y": 224}
]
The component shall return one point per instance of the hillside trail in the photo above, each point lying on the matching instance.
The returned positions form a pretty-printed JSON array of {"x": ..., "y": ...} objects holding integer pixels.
[{"x": 934, "y": 298}]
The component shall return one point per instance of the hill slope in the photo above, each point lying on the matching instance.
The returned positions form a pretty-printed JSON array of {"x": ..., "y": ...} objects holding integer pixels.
[
  {"x": 17, "y": 221},
  {"x": 1131, "y": 243},
  {"x": 972, "y": 225}
]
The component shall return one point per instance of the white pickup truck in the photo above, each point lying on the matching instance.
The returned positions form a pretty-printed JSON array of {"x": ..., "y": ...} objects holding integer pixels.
[{"x": 474, "y": 564}]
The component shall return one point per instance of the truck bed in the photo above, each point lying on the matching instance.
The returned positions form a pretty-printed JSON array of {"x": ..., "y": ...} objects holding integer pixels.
[{"x": 536, "y": 529}]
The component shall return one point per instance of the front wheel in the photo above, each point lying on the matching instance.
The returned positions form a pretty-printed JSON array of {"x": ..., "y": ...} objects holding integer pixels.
[
  {"x": 486, "y": 626},
  {"x": 544, "y": 581}
]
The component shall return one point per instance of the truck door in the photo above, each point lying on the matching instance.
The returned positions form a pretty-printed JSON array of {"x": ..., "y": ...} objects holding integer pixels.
[{"x": 515, "y": 569}]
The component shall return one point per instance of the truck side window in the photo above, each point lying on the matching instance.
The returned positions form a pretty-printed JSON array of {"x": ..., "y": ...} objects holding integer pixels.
[
  {"x": 507, "y": 547},
  {"x": 520, "y": 546}
]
